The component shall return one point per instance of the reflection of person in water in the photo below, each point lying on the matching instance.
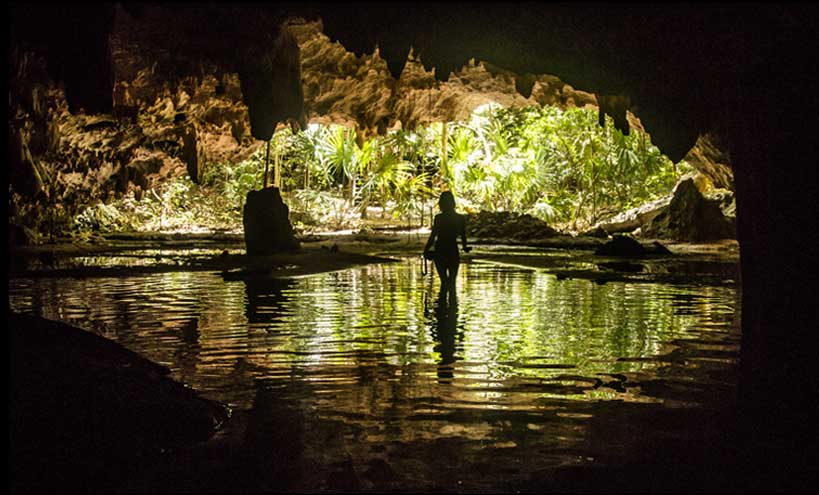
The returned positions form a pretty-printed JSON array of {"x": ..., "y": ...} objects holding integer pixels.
[
  {"x": 446, "y": 229},
  {"x": 444, "y": 330}
]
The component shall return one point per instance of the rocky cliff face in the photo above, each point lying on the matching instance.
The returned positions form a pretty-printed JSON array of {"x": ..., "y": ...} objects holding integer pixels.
[
  {"x": 171, "y": 116},
  {"x": 710, "y": 158},
  {"x": 360, "y": 91}
]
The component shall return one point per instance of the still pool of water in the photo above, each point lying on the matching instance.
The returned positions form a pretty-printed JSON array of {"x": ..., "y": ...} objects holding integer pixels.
[{"x": 379, "y": 371}]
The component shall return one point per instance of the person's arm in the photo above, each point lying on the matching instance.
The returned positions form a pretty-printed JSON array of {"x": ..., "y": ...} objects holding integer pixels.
[
  {"x": 432, "y": 235},
  {"x": 463, "y": 235}
]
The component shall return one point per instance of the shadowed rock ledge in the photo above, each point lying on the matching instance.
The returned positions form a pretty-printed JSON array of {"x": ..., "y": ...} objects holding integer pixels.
[{"x": 84, "y": 411}]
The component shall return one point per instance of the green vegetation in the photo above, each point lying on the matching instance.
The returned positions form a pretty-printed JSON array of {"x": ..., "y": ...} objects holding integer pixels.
[{"x": 557, "y": 165}]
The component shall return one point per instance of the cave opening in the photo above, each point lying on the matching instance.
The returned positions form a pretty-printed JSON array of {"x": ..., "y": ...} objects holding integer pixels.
[{"x": 557, "y": 166}]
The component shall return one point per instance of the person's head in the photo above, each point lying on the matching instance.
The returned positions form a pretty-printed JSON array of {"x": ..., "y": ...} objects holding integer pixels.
[{"x": 447, "y": 201}]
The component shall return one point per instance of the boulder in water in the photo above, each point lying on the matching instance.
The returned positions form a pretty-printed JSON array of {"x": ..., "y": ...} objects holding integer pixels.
[
  {"x": 267, "y": 226},
  {"x": 621, "y": 245},
  {"x": 596, "y": 232}
]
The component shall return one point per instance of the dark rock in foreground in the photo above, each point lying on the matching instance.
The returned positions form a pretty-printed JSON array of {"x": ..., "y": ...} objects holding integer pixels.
[
  {"x": 84, "y": 410},
  {"x": 626, "y": 246},
  {"x": 267, "y": 224},
  {"x": 622, "y": 266},
  {"x": 18, "y": 236},
  {"x": 597, "y": 232},
  {"x": 621, "y": 245}
]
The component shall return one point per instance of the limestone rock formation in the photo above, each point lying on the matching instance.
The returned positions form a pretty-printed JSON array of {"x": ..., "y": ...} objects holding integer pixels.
[
  {"x": 694, "y": 199},
  {"x": 360, "y": 91},
  {"x": 692, "y": 216},
  {"x": 507, "y": 225},
  {"x": 266, "y": 223},
  {"x": 708, "y": 157},
  {"x": 634, "y": 218},
  {"x": 340, "y": 87},
  {"x": 177, "y": 106}
]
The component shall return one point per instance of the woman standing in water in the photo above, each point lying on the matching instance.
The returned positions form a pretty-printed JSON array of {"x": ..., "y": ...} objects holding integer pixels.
[{"x": 446, "y": 228}]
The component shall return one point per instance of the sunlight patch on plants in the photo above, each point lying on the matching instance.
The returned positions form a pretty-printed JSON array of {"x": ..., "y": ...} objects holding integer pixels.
[{"x": 557, "y": 165}]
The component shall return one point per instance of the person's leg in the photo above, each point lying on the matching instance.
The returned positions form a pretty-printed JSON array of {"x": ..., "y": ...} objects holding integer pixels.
[
  {"x": 453, "y": 272},
  {"x": 452, "y": 280},
  {"x": 441, "y": 268}
]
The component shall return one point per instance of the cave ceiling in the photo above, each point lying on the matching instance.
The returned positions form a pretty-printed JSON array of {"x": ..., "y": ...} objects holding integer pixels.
[{"x": 675, "y": 65}]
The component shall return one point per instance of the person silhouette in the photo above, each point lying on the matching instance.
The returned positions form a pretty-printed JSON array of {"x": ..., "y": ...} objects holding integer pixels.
[{"x": 446, "y": 228}]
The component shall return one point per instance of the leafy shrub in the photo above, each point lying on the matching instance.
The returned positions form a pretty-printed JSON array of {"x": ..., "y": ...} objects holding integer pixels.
[{"x": 559, "y": 166}]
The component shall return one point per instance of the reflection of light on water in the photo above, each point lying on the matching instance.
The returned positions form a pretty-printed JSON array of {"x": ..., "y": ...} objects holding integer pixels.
[
  {"x": 132, "y": 258},
  {"x": 374, "y": 332}
]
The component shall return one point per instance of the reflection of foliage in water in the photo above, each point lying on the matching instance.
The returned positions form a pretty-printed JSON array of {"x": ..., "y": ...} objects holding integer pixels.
[{"x": 381, "y": 315}]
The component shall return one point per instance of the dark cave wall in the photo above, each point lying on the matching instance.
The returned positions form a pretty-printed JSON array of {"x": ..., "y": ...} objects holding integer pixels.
[
  {"x": 74, "y": 41},
  {"x": 775, "y": 178},
  {"x": 235, "y": 39}
]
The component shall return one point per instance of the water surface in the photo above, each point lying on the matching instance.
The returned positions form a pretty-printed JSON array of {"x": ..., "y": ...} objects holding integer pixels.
[{"x": 386, "y": 384}]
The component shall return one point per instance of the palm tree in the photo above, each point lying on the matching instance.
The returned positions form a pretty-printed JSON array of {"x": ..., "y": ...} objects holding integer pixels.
[
  {"x": 388, "y": 171},
  {"x": 362, "y": 157},
  {"x": 411, "y": 194},
  {"x": 337, "y": 153}
]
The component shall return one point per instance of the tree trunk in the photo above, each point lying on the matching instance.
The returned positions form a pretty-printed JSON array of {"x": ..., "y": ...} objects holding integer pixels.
[
  {"x": 266, "y": 157},
  {"x": 593, "y": 193},
  {"x": 444, "y": 161},
  {"x": 277, "y": 177}
]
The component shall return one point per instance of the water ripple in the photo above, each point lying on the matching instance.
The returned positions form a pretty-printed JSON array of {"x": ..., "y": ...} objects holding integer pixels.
[{"x": 514, "y": 333}]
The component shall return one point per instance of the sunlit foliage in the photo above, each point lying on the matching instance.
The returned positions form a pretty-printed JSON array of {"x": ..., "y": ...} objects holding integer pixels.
[{"x": 558, "y": 165}]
